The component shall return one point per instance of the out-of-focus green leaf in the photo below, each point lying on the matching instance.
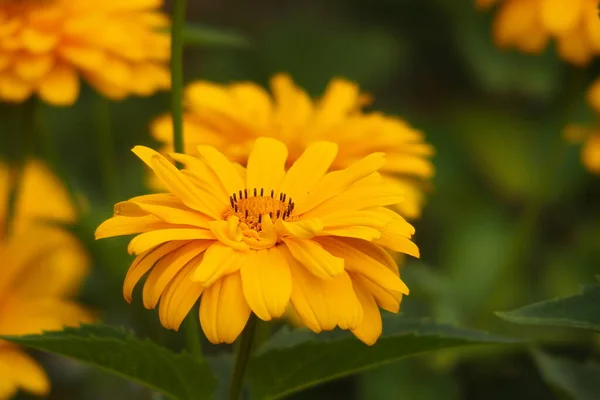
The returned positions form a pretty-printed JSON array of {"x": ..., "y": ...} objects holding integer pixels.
[
  {"x": 579, "y": 311},
  {"x": 178, "y": 376},
  {"x": 579, "y": 381},
  {"x": 292, "y": 361}
]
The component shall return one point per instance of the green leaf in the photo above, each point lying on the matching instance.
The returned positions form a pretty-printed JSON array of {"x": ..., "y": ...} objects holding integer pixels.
[
  {"x": 179, "y": 376},
  {"x": 295, "y": 360},
  {"x": 205, "y": 36},
  {"x": 579, "y": 311},
  {"x": 579, "y": 381}
]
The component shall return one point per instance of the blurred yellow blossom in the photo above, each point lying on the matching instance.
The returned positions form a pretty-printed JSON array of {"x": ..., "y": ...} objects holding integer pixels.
[
  {"x": 42, "y": 269},
  {"x": 257, "y": 239},
  {"x": 116, "y": 46},
  {"x": 231, "y": 117},
  {"x": 528, "y": 25}
]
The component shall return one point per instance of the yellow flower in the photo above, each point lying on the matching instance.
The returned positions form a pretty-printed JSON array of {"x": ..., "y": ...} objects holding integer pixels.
[
  {"x": 257, "y": 239},
  {"x": 232, "y": 117},
  {"x": 116, "y": 46},
  {"x": 42, "y": 269},
  {"x": 528, "y": 25}
]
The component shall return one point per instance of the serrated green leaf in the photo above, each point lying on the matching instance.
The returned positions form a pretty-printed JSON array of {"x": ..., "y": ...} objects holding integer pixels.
[
  {"x": 295, "y": 360},
  {"x": 579, "y": 311},
  {"x": 205, "y": 36},
  {"x": 579, "y": 381},
  {"x": 179, "y": 376}
]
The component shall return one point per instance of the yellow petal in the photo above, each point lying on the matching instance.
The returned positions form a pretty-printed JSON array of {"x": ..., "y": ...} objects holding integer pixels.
[
  {"x": 24, "y": 371},
  {"x": 312, "y": 256},
  {"x": 593, "y": 95},
  {"x": 179, "y": 297},
  {"x": 513, "y": 20},
  {"x": 341, "y": 97},
  {"x": 119, "y": 226},
  {"x": 267, "y": 282},
  {"x": 559, "y": 16},
  {"x": 357, "y": 261},
  {"x": 166, "y": 268},
  {"x": 266, "y": 164},
  {"x": 375, "y": 252},
  {"x": 60, "y": 86},
  {"x": 293, "y": 107},
  {"x": 38, "y": 41},
  {"x": 387, "y": 299},
  {"x": 218, "y": 260},
  {"x": 143, "y": 263},
  {"x": 574, "y": 47},
  {"x": 148, "y": 240},
  {"x": 170, "y": 214},
  {"x": 31, "y": 68},
  {"x": 358, "y": 232},
  {"x": 223, "y": 232},
  {"x": 177, "y": 183},
  {"x": 371, "y": 326},
  {"x": 205, "y": 176},
  {"x": 222, "y": 167},
  {"x": 83, "y": 57},
  {"x": 308, "y": 170},
  {"x": 13, "y": 88},
  {"x": 359, "y": 197},
  {"x": 223, "y": 310},
  {"x": 322, "y": 304},
  {"x": 304, "y": 229},
  {"x": 336, "y": 182}
]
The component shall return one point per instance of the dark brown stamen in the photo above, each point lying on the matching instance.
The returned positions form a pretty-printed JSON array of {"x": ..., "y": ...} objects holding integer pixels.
[
  {"x": 259, "y": 218},
  {"x": 254, "y": 192},
  {"x": 283, "y": 198},
  {"x": 246, "y": 213},
  {"x": 272, "y": 193},
  {"x": 278, "y": 213},
  {"x": 245, "y": 193},
  {"x": 231, "y": 201},
  {"x": 262, "y": 191},
  {"x": 234, "y": 199},
  {"x": 241, "y": 196}
]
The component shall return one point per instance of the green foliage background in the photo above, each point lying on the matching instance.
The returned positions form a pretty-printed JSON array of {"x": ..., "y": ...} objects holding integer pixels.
[{"x": 513, "y": 217}]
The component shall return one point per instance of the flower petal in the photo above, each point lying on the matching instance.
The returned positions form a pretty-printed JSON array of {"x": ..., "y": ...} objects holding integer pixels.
[
  {"x": 223, "y": 310},
  {"x": 312, "y": 256},
  {"x": 308, "y": 170},
  {"x": 357, "y": 261},
  {"x": 60, "y": 86},
  {"x": 170, "y": 214},
  {"x": 176, "y": 182},
  {"x": 267, "y": 282},
  {"x": 369, "y": 330},
  {"x": 304, "y": 229},
  {"x": 166, "y": 268},
  {"x": 120, "y": 225},
  {"x": 180, "y": 296},
  {"x": 322, "y": 304},
  {"x": 336, "y": 182},
  {"x": 266, "y": 164},
  {"x": 147, "y": 240},
  {"x": 218, "y": 260},
  {"x": 225, "y": 234},
  {"x": 223, "y": 168}
]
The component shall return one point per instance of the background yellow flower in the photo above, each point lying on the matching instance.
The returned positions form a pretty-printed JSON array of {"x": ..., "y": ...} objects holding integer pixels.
[
  {"x": 42, "y": 269},
  {"x": 46, "y": 45},
  {"x": 529, "y": 24},
  {"x": 231, "y": 117}
]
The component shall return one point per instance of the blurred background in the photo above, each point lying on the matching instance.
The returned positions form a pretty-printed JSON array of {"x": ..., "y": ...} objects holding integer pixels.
[{"x": 512, "y": 216}]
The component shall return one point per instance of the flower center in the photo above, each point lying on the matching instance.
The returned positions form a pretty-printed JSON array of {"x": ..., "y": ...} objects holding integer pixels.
[{"x": 251, "y": 207}]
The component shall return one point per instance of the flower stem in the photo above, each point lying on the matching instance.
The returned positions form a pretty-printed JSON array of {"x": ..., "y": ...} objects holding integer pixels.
[
  {"x": 177, "y": 73},
  {"x": 106, "y": 146},
  {"x": 241, "y": 360},
  {"x": 192, "y": 336}
]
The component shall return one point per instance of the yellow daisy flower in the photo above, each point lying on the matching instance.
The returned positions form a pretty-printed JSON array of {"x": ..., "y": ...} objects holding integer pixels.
[
  {"x": 42, "y": 269},
  {"x": 116, "y": 46},
  {"x": 257, "y": 239},
  {"x": 231, "y": 117},
  {"x": 528, "y": 25}
]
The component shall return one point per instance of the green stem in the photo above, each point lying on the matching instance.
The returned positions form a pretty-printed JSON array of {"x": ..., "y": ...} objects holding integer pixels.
[
  {"x": 241, "y": 360},
  {"x": 106, "y": 146},
  {"x": 177, "y": 73},
  {"x": 192, "y": 335}
]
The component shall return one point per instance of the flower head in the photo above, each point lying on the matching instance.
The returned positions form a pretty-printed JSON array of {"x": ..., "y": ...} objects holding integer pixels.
[
  {"x": 260, "y": 238},
  {"x": 529, "y": 24},
  {"x": 45, "y": 45},
  {"x": 231, "y": 117},
  {"x": 42, "y": 269}
]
